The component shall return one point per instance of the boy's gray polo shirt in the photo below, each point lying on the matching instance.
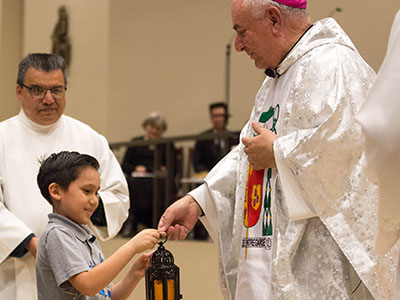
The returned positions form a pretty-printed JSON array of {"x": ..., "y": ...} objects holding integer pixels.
[{"x": 64, "y": 250}]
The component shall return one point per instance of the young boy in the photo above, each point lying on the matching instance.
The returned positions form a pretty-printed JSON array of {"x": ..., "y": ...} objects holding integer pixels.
[{"x": 70, "y": 263}]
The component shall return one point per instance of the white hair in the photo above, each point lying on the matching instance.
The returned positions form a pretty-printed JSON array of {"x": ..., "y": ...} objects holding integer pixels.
[
  {"x": 258, "y": 7},
  {"x": 155, "y": 119}
]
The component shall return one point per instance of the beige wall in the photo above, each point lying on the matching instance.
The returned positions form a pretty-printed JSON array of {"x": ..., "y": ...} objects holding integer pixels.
[
  {"x": 367, "y": 23},
  {"x": 169, "y": 56},
  {"x": 10, "y": 53},
  {"x": 130, "y": 57},
  {"x": 87, "y": 97}
]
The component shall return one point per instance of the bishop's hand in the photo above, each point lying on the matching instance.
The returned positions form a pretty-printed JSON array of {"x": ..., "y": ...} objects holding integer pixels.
[
  {"x": 260, "y": 148},
  {"x": 180, "y": 218}
]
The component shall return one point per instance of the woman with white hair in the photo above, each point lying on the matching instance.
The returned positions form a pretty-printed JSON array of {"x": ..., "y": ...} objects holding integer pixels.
[{"x": 138, "y": 165}]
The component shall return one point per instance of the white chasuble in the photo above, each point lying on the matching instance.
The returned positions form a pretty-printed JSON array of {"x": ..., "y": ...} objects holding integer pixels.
[{"x": 323, "y": 206}]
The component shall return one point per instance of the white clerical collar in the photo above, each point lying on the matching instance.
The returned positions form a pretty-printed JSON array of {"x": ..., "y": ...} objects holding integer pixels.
[{"x": 37, "y": 127}]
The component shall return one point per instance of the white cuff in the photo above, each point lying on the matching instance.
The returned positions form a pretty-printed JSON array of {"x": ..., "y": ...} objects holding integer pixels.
[
  {"x": 203, "y": 197},
  {"x": 298, "y": 207}
]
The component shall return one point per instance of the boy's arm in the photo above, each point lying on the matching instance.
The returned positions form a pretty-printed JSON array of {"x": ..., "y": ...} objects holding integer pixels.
[
  {"x": 91, "y": 282},
  {"x": 124, "y": 288}
]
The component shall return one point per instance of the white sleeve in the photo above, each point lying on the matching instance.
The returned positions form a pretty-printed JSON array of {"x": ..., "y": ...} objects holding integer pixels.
[
  {"x": 12, "y": 230},
  {"x": 114, "y": 192},
  {"x": 217, "y": 196},
  {"x": 202, "y": 196},
  {"x": 299, "y": 208}
]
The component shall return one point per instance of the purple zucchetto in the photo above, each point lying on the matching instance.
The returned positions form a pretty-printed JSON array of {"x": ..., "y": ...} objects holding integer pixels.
[{"x": 293, "y": 3}]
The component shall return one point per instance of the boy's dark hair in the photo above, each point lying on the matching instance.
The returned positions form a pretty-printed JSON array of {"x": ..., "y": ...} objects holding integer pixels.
[{"x": 63, "y": 168}]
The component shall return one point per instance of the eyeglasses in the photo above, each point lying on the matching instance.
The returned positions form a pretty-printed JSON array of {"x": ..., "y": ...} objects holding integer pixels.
[
  {"x": 219, "y": 115},
  {"x": 38, "y": 92}
]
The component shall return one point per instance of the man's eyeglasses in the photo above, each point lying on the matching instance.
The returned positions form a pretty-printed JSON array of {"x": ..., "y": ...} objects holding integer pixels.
[
  {"x": 38, "y": 92},
  {"x": 219, "y": 115}
]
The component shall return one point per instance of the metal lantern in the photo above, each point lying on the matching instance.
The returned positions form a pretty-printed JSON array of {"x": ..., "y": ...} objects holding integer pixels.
[{"x": 162, "y": 276}]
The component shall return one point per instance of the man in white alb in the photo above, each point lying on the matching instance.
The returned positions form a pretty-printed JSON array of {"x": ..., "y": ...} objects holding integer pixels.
[{"x": 38, "y": 130}]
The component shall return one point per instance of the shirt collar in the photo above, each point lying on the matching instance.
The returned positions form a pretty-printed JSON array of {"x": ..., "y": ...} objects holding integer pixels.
[
  {"x": 82, "y": 232},
  {"x": 37, "y": 127}
]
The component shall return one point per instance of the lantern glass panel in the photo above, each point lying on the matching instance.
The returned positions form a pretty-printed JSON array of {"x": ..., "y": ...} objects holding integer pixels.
[
  {"x": 158, "y": 290},
  {"x": 171, "y": 289}
]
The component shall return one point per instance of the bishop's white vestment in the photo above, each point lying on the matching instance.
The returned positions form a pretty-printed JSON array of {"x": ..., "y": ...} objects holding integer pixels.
[
  {"x": 305, "y": 230},
  {"x": 23, "y": 210}
]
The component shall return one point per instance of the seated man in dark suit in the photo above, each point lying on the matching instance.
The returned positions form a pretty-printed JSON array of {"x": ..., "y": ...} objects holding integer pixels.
[{"x": 207, "y": 153}]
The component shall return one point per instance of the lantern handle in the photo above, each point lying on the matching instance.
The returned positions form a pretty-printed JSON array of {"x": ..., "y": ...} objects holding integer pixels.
[{"x": 166, "y": 239}]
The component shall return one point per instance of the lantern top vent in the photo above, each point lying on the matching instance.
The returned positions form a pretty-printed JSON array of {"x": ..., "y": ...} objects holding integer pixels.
[{"x": 161, "y": 256}]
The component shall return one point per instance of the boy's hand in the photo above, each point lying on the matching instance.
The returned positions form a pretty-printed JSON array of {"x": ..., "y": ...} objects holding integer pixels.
[
  {"x": 146, "y": 239},
  {"x": 136, "y": 272},
  {"x": 140, "y": 265}
]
